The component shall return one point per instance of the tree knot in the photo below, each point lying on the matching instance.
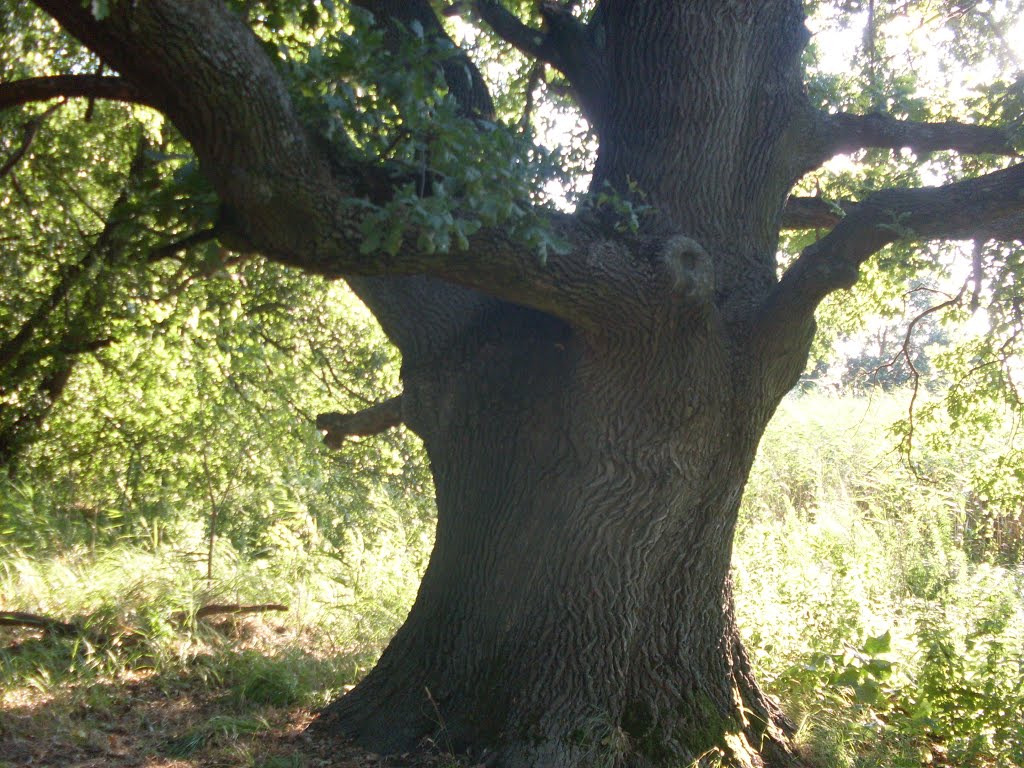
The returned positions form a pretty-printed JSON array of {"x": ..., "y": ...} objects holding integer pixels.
[{"x": 689, "y": 269}]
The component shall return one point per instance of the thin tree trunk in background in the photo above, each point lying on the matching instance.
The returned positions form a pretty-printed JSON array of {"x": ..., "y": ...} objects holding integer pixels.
[{"x": 214, "y": 509}]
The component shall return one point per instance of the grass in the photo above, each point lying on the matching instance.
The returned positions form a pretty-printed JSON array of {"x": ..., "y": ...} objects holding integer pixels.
[
  {"x": 886, "y": 636},
  {"x": 862, "y": 608},
  {"x": 140, "y": 684}
]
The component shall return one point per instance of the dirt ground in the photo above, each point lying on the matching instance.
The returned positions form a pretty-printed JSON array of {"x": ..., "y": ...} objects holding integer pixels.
[
  {"x": 146, "y": 726},
  {"x": 161, "y": 721},
  {"x": 152, "y": 728}
]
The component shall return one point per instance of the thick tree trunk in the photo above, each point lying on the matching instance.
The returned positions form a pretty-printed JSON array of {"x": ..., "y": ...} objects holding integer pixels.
[{"x": 577, "y": 610}]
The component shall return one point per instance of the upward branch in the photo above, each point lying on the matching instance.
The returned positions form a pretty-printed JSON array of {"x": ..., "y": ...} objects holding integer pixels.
[
  {"x": 980, "y": 208},
  {"x": 287, "y": 197},
  {"x": 565, "y": 42},
  {"x": 551, "y": 44},
  {"x": 464, "y": 81},
  {"x": 988, "y": 207},
  {"x": 29, "y": 132}
]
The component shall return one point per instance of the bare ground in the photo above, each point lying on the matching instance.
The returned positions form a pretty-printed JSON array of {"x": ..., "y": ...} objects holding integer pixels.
[{"x": 166, "y": 720}]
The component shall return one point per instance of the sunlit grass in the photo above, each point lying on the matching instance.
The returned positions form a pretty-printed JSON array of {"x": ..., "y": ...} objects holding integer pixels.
[
  {"x": 889, "y": 641},
  {"x": 840, "y": 546}
]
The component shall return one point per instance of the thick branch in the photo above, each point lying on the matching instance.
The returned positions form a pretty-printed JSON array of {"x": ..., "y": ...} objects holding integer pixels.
[
  {"x": 819, "y": 213},
  {"x": 565, "y": 43},
  {"x": 31, "y": 89},
  {"x": 290, "y": 200},
  {"x": 843, "y": 133},
  {"x": 814, "y": 212},
  {"x": 371, "y": 421},
  {"x": 972, "y": 209}
]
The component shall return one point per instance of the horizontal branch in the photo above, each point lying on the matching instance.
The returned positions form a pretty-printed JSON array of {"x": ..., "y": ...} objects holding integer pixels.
[
  {"x": 980, "y": 208},
  {"x": 19, "y": 92},
  {"x": 815, "y": 213},
  {"x": 819, "y": 213},
  {"x": 371, "y": 421},
  {"x": 844, "y": 133}
]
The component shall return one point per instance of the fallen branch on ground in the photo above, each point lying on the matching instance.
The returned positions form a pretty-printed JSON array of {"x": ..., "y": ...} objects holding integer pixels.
[
  {"x": 83, "y": 627},
  {"x": 48, "y": 625}
]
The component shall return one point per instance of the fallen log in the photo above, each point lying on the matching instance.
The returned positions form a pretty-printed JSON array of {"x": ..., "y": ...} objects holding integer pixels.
[{"x": 81, "y": 627}]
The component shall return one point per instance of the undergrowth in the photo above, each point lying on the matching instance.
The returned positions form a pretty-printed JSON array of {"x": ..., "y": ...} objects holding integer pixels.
[
  {"x": 148, "y": 676},
  {"x": 864, "y": 604},
  {"x": 891, "y": 637}
]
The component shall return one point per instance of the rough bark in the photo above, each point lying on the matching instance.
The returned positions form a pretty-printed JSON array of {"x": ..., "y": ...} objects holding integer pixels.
[
  {"x": 709, "y": 137},
  {"x": 576, "y": 610}
]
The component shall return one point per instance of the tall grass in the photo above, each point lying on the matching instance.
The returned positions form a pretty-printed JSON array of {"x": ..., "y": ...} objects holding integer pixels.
[
  {"x": 135, "y": 608},
  {"x": 867, "y": 608},
  {"x": 862, "y": 610}
]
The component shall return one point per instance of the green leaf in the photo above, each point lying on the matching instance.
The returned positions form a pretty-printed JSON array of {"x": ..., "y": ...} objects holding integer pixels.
[
  {"x": 876, "y": 645},
  {"x": 371, "y": 242},
  {"x": 849, "y": 677},
  {"x": 868, "y": 692},
  {"x": 393, "y": 241},
  {"x": 879, "y": 669}
]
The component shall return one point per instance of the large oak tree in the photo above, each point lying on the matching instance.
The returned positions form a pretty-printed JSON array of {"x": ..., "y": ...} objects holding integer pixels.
[{"x": 590, "y": 387}]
